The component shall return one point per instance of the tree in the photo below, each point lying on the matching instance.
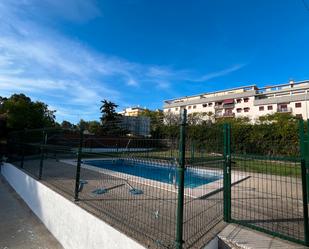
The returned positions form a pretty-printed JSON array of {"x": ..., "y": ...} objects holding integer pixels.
[
  {"x": 82, "y": 124},
  {"x": 108, "y": 111},
  {"x": 171, "y": 118},
  {"x": 20, "y": 112},
  {"x": 156, "y": 117},
  {"x": 67, "y": 125},
  {"x": 94, "y": 127},
  {"x": 110, "y": 119},
  {"x": 196, "y": 118}
]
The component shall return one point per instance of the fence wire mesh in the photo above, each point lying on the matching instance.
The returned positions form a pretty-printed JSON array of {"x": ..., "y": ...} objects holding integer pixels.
[
  {"x": 268, "y": 196},
  {"x": 203, "y": 202},
  {"x": 131, "y": 181}
]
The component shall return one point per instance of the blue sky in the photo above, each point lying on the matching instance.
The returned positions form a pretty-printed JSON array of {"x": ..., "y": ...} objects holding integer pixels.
[{"x": 71, "y": 54}]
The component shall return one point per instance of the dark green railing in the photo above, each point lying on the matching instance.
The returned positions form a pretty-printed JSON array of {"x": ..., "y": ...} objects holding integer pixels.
[
  {"x": 265, "y": 192},
  {"x": 273, "y": 198}
]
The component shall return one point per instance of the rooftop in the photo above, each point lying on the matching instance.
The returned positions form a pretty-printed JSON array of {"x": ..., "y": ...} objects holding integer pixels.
[{"x": 255, "y": 88}]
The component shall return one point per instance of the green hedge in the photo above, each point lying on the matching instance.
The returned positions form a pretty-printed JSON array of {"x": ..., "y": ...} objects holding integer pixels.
[{"x": 271, "y": 135}]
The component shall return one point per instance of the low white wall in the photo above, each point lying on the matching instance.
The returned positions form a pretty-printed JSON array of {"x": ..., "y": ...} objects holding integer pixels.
[{"x": 71, "y": 225}]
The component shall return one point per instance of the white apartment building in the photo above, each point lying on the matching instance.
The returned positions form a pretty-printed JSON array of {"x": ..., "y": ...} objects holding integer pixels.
[
  {"x": 132, "y": 111},
  {"x": 248, "y": 101}
]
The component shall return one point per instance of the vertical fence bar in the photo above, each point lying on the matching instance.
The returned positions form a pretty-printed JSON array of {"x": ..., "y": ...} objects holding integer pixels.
[
  {"x": 42, "y": 148},
  {"x": 79, "y": 158},
  {"x": 305, "y": 202},
  {"x": 181, "y": 169},
  {"x": 227, "y": 173},
  {"x": 304, "y": 174},
  {"x": 307, "y": 162}
]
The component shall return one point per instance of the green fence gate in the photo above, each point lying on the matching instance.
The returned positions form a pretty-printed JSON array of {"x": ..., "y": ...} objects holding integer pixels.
[{"x": 268, "y": 193}]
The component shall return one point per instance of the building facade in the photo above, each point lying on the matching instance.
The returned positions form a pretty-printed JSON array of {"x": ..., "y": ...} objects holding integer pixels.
[
  {"x": 248, "y": 101},
  {"x": 132, "y": 111},
  {"x": 136, "y": 126}
]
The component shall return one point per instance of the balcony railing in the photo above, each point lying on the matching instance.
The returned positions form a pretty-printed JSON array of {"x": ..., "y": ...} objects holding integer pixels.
[
  {"x": 218, "y": 107},
  {"x": 231, "y": 105},
  {"x": 284, "y": 109},
  {"x": 225, "y": 115}
]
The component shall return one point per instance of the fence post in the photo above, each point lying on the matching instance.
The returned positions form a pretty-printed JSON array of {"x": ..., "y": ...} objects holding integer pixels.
[
  {"x": 181, "y": 169},
  {"x": 79, "y": 158},
  {"x": 304, "y": 174},
  {"x": 305, "y": 202},
  {"x": 307, "y": 162},
  {"x": 227, "y": 173},
  {"x": 43, "y": 143}
]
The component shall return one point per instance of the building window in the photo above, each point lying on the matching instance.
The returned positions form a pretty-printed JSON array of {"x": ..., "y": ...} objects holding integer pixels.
[
  {"x": 238, "y": 110},
  {"x": 298, "y": 105},
  {"x": 176, "y": 109},
  {"x": 204, "y": 105},
  {"x": 194, "y": 106},
  {"x": 246, "y": 100},
  {"x": 189, "y": 107},
  {"x": 169, "y": 110},
  {"x": 261, "y": 108},
  {"x": 282, "y": 107},
  {"x": 210, "y": 104},
  {"x": 246, "y": 109},
  {"x": 269, "y": 108},
  {"x": 238, "y": 101}
]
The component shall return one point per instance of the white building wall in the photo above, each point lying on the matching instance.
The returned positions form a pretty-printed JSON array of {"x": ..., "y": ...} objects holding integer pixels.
[
  {"x": 71, "y": 225},
  {"x": 274, "y": 96}
]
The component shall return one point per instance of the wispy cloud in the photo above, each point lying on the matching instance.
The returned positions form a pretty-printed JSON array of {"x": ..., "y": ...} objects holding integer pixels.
[
  {"x": 71, "y": 77},
  {"x": 217, "y": 74}
]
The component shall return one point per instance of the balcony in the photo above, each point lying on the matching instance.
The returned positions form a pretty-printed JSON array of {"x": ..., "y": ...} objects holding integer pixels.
[
  {"x": 225, "y": 115},
  {"x": 284, "y": 109},
  {"x": 231, "y": 105},
  {"x": 218, "y": 107}
]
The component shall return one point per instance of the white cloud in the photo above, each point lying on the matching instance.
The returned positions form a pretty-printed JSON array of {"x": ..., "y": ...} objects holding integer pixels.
[
  {"x": 217, "y": 74},
  {"x": 70, "y": 76},
  {"x": 132, "y": 82}
]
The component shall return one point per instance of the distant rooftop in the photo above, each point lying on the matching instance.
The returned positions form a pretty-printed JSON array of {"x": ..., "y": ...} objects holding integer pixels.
[{"x": 247, "y": 88}]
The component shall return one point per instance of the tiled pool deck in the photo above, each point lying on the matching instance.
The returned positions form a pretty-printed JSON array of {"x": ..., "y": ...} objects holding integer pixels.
[{"x": 150, "y": 219}]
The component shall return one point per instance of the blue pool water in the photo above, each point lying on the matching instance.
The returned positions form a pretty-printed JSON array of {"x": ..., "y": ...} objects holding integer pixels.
[{"x": 161, "y": 173}]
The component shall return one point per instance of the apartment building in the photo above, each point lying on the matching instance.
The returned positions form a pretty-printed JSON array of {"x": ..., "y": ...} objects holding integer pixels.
[
  {"x": 248, "y": 101},
  {"x": 132, "y": 111}
]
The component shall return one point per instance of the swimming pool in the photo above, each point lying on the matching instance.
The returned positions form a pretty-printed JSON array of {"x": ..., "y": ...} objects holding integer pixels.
[{"x": 157, "y": 172}]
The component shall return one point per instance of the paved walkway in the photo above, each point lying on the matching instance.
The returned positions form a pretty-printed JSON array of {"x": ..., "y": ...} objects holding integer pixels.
[
  {"x": 20, "y": 228},
  {"x": 240, "y": 237}
]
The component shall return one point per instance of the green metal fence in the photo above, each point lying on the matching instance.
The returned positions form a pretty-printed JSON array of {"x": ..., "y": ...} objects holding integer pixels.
[
  {"x": 164, "y": 203},
  {"x": 154, "y": 189},
  {"x": 271, "y": 195}
]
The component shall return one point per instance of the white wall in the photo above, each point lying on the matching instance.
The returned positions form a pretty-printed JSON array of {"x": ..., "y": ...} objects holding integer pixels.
[{"x": 71, "y": 225}]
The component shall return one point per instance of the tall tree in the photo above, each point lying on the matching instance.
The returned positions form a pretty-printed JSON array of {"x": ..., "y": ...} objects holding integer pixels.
[
  {"x": 110, "y": 119},
  {"x": 156, "y": 120},
  {"x": 108, "y": 111},
  {"x": 20, "y": 112}
]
